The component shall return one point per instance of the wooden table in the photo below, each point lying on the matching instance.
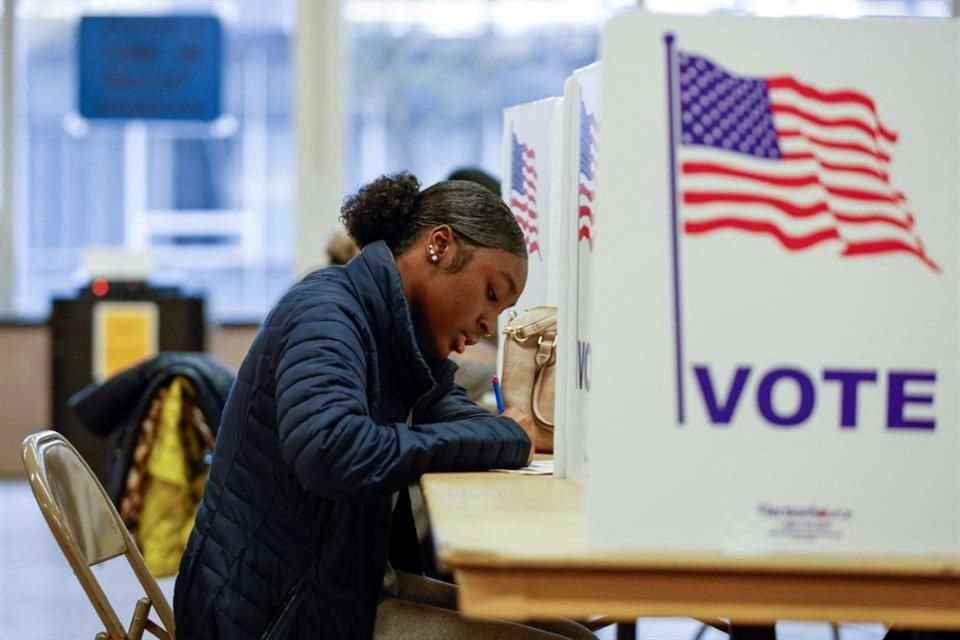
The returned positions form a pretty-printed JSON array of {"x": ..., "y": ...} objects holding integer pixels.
[{"x": 517, "y": 547}]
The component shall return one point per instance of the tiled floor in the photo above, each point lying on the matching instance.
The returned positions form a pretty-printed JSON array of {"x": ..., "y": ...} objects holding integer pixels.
[{"x": 41, "y": 600}]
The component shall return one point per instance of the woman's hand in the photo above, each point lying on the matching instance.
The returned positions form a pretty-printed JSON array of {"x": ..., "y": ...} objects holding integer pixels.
[{"x": 526, "y": 423}]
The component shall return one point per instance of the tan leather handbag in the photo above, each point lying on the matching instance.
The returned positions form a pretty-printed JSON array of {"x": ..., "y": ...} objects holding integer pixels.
[{"x": 529, "y": 372}]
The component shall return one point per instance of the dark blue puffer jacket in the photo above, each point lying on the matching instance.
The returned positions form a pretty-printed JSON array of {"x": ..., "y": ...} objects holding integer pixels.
[{"x": 292, "y": 537}]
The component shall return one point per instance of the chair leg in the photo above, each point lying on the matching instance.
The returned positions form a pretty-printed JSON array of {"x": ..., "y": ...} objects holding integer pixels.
[
  {"x": 752, "y": 632},
  {"x": 704, "y": 628},
  {"x": 139, "y": 621},
  {"x": 627, "y": 630},
  {"x": 713, "y": 623},
  {"x": 157, "y": 630}
]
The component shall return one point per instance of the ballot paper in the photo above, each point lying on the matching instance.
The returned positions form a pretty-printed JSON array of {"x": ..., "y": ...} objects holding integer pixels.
[{"x": 536, "y": 468}]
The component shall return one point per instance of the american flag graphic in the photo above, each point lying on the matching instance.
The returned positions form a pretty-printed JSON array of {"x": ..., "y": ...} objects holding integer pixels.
[
  {"x": 523, "y": 192},
  {"x": 587, "y": 175},
  {"x": 778, "y": 157}
]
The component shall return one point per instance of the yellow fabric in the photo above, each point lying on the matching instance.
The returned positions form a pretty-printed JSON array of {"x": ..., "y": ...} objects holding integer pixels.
[{"x": 170, "y": 496}]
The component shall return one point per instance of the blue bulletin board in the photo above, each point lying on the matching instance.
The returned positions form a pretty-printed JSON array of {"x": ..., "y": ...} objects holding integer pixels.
[{"x": 151, "y": 67}]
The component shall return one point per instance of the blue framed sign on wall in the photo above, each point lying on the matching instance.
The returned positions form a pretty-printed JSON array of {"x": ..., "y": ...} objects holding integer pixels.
[{"x": 150, "y": 67}]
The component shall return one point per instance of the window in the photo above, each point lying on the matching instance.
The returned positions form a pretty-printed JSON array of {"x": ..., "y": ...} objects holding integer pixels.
[
  {"x": 826, "y": 8},
  {"x": 426, "y": 83},
  {"x": 429, "y": 79},
  {"x": 212, "y": 202}
]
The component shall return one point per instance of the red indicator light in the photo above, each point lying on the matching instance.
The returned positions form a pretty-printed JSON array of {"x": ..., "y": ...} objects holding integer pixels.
[{"x": 100, "y": 287}]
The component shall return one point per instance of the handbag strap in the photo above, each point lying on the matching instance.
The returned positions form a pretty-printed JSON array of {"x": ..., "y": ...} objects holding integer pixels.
[
  {"x": 521, "y": 328},
  {"x": 546, "y": 356}
]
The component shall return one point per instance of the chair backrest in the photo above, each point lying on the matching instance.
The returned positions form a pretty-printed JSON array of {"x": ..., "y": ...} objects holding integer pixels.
[{"x": 88, "y": 528}]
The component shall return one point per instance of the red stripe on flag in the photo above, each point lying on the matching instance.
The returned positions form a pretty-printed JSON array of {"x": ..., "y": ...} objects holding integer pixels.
[
  {"x": 830, "y": 144},
  {"x": 888, "y": 246},
  {"x": 831, "y": 97},
  {"x": 694, "y": 168},
  {"x": 522, "y": 206},
  {"x": 875, "y": 217},
  {"x": 864, "y": 196},
  {"x": 585, "y": 212},
  {"x": 808, "y": 180},
  {"x": 790, "y": 109},
  {"x": 526, "y": 225},
  {"x": 852, "y": 168},
  {"x": 528, "y": 209},
  {"x": 790, "y": 242},
  {"x": 850, "y": 146},
  {"x": 583, "y": 233},
  {"x": 796, "y": 211},
  {"x": 586, "y": 192},
  {"x": 713, "y": 197}
]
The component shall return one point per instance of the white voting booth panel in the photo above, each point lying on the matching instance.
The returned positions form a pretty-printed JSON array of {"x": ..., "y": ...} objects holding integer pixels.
[
  {"x": 532, "y": 153},
  {"x": 532, "y": 136},
  {"x": 531, "y": 187},
  {"x": 577, "y": 218},
  {"x": 774, "y": 287}
]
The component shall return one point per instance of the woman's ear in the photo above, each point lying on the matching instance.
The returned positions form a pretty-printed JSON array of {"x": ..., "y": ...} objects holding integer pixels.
[{"x": 439, "y": 244}]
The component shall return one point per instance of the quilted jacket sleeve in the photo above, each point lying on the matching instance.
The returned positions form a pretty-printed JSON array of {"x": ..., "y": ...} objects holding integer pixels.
[
  {"x": 333, "y": 446},
  {"x": 455, "y": 411}
]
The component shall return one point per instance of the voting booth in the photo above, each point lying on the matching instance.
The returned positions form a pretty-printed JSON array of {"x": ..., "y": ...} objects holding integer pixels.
[
  {"x": 771, "y": 332},
  {"x": 578, "y": 219},
  {"x": 532, "y": 163}
]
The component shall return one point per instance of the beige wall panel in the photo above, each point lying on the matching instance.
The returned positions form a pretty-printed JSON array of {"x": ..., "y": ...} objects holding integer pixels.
[
  {"x": 25, "y": 381},
  {"x": 24, "y": 390}
]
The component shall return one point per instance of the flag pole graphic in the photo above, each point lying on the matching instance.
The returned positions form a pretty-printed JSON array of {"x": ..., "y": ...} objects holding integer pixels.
[{"x": 668, "y": 40}]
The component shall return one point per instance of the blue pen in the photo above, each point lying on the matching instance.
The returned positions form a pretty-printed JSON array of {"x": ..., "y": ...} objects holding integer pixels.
[{"x": 498, "y": 393}]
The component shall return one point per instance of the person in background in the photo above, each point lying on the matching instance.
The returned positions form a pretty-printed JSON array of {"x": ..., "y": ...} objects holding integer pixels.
[
  {"x": 344, "y": 399},
  {"x": 341, "y": 249},
  {"x": 478, "y": 176}
]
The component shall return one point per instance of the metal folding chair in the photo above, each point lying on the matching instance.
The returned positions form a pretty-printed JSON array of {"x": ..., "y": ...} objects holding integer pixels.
[{"x": 89, "y": 531}]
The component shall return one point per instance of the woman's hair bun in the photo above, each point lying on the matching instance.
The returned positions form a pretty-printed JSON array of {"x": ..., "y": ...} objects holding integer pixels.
[{"x": 384, "y": 210}]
